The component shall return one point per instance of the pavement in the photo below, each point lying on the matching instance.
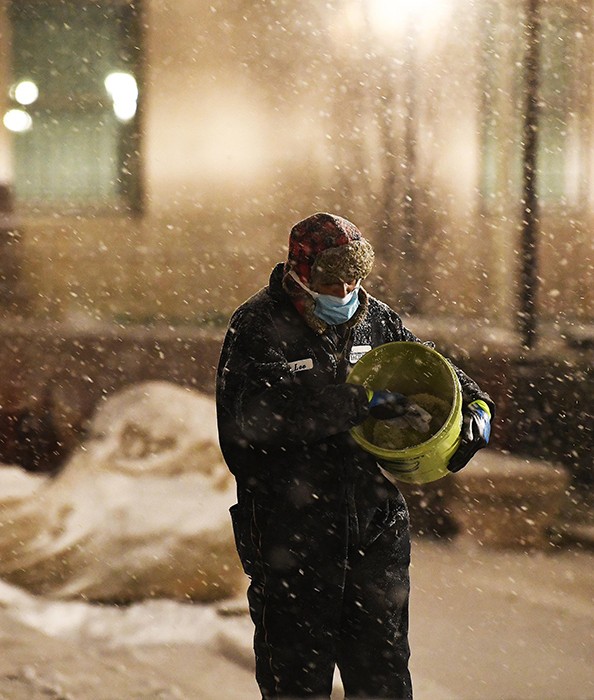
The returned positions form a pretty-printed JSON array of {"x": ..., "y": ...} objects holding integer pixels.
[
  {"x": 502, "y": 625},
  {"x": 485, "y": 625}
]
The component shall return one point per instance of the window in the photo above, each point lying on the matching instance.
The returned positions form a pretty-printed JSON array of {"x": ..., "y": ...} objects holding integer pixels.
[
  {"x": 74, "y": 112},
  {"x": 564, "y": 104}
]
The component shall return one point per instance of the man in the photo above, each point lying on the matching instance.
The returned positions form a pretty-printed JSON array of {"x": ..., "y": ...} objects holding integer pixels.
[{"x": 323, "y": 536}]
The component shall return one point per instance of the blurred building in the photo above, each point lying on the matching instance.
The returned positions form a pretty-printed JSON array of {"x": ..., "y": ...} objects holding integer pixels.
[
  {"x": 159, "y": 150},
  {"x": 154, "y": 154}
]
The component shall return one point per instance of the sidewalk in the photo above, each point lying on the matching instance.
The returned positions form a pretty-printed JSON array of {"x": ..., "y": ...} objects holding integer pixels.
[
  {"x": 488, "y": 625},
  {"x": 485, "y": 625},
  {"x": 34, "y": 666}
]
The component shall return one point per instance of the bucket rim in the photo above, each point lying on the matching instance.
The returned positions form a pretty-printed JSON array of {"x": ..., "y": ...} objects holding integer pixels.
[{"x": 420, "y": 448}]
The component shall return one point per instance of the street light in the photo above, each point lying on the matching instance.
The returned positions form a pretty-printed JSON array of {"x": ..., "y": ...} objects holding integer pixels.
[
  {"x": 396, "y": 24},
  {"x": 390, "y": 17},
  {"x": 17, "y": 121},
  {"x": 123, "y": 90},
  {"x": 25, "y": 92}
]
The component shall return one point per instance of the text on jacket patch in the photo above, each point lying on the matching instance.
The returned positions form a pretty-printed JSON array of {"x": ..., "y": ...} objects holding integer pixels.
[
  {"x": 300, "y": 365},
  {"x": 357, "y": 352}
]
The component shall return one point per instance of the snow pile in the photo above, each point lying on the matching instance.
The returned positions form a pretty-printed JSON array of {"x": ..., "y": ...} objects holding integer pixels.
[
  {"x": 147, "y": 622},
  {"x": 140, "y": 510}
]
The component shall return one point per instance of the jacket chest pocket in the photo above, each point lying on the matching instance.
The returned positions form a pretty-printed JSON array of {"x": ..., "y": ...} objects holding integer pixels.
[
  {"x": 303, "y": 365},
  {"x": 357, "y": 352},
  {"x": 313, "y": 369},
  {"x": 305, "y": 370}
]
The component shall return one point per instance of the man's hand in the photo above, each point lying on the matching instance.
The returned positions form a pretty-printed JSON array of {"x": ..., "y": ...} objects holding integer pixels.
[
  {"x": 388, "y": 405},
  {"x": 385, "y": 405},
  {"x": 476, "y": 431}
]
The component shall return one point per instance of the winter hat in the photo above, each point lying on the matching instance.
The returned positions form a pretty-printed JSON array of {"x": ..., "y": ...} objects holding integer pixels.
[{"x": 325, "y": 248}]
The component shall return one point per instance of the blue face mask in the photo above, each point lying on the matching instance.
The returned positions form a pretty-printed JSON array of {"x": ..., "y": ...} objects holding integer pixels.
[
  {"x": 333, "y": 310},
  {"x": 337, "y": 310}
]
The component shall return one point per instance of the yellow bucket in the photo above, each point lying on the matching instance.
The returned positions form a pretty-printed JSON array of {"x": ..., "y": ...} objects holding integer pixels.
[{"x": 409, "y": 369}]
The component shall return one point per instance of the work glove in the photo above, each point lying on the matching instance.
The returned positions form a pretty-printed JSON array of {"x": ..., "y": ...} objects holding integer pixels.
[
  {"x": 475, "y": 434},
  {"x": 388, "y": 405}
]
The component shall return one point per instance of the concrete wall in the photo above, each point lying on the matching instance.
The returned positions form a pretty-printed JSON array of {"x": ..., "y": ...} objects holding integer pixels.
[{"x": 54, "y": 378}]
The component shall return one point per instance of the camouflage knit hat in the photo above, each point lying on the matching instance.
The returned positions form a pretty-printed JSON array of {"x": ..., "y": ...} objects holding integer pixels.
[{"x": 325, "y": 248}]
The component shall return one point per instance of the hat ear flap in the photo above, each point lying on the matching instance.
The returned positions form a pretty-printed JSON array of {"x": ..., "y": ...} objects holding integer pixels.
[{"x": 346, "y": 262}]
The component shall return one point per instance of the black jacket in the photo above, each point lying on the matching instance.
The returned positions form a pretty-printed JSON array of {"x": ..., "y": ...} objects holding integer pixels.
[{"x": 284, "y": 410}]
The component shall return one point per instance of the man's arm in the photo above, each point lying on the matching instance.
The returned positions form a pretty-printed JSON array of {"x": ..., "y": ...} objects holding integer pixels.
[
  {"x": 470, "y": 389},
  {"x": 257, "y": 387},
  {"x": 478, "y": 408}
]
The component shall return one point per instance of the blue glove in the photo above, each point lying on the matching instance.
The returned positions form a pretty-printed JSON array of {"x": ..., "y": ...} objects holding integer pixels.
[
  {"x": 385, "y": 405},
  {"x": 475, "y": 434},
  {"x": 388, "y": 405}
]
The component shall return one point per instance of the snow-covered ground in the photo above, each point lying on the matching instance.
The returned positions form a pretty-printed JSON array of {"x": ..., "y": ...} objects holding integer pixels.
[
  {"x": 485, "y": 625},
  {"x": 502, "y": 625},
  {"x": 139, "y": 514}
]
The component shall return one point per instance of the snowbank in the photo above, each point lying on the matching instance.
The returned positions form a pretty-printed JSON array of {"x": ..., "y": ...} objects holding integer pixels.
[{"x": 140, "y": 510}]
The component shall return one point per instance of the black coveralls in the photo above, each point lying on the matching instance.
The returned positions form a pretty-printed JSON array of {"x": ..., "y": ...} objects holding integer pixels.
[{"x": 322, "y": 534}]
